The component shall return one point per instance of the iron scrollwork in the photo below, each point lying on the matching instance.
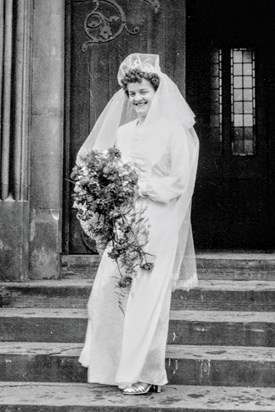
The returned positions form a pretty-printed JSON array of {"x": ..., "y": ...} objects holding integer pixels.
[{"x": 101, "y": 28}]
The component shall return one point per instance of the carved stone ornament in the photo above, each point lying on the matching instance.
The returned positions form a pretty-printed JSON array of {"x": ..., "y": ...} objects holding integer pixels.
[{"x": 102, "y": 28}]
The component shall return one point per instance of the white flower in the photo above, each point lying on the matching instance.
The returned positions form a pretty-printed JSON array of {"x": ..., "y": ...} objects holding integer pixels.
[{"x": 85, "y": 170}]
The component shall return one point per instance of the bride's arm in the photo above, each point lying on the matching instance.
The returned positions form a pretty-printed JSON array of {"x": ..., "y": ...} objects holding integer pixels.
[{"x": 165, "y": 188}]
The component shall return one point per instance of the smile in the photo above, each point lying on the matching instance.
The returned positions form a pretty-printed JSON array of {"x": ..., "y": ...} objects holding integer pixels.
[{"x": 140, "y": 104}]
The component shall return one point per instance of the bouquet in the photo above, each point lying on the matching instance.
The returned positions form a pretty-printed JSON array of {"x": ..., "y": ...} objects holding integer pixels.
[{"x": 104, "y": 195}]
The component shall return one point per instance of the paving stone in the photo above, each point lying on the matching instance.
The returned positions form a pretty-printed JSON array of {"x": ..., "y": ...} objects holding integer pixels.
[
  {"x": 211, "y": 265},
  {"x": 43, "y": 324},
  {"x": 227, "y": 295},
  {"x": 185, "y": 327},
  {"x": 62, "y": 397},
  {"x": 229, "y": 259},
  {"x": 222, "y": 328},
  {"x": 209, "y": 295},
  {"x": 186, "y": 364},
  {"x": 237, "y": 274}
]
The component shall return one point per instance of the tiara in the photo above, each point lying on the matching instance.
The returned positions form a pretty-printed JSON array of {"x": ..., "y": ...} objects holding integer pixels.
[
  {"x": 144, "y": 67},
  {"x": 142, "y": 62}
]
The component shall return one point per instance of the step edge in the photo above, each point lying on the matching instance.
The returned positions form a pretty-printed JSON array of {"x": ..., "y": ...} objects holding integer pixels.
[
  {"x": 220, "y": 316},
  {"x": 185, "y": 396},
  {"x": 172, "y": 351}
]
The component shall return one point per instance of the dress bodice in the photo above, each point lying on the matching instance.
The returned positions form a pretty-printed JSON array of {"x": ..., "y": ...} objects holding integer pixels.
[{"x": 138, "y": 153}]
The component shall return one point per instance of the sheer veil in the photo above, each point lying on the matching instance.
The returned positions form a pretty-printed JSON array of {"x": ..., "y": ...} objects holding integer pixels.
[{"x": 168, "y": 103}]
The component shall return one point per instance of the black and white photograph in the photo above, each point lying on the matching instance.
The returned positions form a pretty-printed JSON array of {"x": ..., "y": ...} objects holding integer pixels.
[{"x": 137, "y": 205}]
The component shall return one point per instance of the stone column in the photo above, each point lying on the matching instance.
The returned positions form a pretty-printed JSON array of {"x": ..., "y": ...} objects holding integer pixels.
[
  {"x": 47, "y": 99},
  {"x": 15, "y": 23}
]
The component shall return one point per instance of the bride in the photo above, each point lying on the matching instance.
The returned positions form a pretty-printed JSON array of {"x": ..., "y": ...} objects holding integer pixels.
[{"x": 152, "y": 125}]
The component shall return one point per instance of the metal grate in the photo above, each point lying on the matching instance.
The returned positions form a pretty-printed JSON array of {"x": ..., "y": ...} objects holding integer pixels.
[
  {"x": 243, "y": 102},
  {"x": 216, "y": 98}
]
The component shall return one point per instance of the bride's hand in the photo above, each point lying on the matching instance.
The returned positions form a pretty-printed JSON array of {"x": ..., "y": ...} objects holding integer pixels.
[{"x": 142, "y": 188}]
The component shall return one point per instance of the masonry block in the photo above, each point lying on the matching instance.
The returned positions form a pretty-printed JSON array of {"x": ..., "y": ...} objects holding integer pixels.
[
  {"x": 45, "y": 244},
  {"x": 14, "y": 221}
]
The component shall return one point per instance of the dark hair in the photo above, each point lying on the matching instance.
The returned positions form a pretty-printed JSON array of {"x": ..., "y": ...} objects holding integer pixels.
[{"x": 136, "y": 76}]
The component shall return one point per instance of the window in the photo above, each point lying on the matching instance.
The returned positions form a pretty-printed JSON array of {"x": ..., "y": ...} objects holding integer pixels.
[
  {"x": 243, "y": 119},
  {"x": 240, "y": 68},
  {"x": 216, "y": 99}
]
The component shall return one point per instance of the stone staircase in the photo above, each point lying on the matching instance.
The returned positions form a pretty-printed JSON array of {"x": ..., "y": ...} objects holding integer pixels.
[{"x": 220, "y": 352}]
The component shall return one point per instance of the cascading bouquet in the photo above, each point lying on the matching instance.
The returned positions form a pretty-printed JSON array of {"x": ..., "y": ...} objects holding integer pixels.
[{"x": 104, "y": 195}]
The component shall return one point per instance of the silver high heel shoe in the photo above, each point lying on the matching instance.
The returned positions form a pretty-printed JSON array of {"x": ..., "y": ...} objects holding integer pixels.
[{"x": 141, "y": 388}]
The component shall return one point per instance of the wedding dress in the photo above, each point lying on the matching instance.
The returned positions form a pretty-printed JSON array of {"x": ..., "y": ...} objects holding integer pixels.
[{"x": 124, "y": 348}]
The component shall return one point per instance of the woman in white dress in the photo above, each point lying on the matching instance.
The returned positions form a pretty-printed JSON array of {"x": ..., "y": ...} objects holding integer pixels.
[{"x": 128, "y": 349}]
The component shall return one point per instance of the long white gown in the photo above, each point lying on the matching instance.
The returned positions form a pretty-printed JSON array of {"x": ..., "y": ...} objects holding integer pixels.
[{"x": 121, "y": 349}]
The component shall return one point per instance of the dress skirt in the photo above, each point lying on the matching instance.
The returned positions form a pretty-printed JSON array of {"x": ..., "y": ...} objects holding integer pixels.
[{"x": 124, "y": 347}]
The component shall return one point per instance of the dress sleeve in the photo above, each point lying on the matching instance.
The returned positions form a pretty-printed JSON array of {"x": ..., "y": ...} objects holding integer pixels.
[{"x": 163, "y": 188}]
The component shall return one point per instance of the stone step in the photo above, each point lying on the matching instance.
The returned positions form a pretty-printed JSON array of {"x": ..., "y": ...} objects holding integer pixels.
[
  {"x": 75, "y": 397},
  {"x": 185, "y": 327},
  {"x": 185, "y": 364},
  {"x": 209, "y": 295},
  {"x": 211, "y": 265}
]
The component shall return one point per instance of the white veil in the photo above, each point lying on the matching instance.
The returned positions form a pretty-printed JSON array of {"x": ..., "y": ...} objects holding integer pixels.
[{"x": 168, "y": 103}]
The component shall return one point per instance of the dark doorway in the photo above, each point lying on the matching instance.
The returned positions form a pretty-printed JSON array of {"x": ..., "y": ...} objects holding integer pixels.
[{"x": 230, "y": 87}]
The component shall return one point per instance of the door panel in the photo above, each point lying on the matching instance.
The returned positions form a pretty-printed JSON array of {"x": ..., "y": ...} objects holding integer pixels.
[
  {"x": 232, "y": 202},
  {"x": 92, "y": 69}
]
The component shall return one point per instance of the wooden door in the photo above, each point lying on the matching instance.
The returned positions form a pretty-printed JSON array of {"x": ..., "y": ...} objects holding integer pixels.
[
  {"x": 229, "y": 83},
  {"x": 199, "y": 45},
  {"x": 100, "y": 34}
]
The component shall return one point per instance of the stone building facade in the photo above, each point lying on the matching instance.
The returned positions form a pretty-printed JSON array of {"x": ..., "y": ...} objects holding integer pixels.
[
  {"x": 32, "y": 123},
  {"x": 58, "y": 69}
]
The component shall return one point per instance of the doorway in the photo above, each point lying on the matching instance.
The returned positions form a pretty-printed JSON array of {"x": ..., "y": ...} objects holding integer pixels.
[
  {"x": 228, "y": 84},
  {"x": 221, "y": 54}
]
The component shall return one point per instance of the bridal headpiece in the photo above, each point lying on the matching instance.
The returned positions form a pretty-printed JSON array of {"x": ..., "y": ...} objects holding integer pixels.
[{"x": 148, "y": 63}]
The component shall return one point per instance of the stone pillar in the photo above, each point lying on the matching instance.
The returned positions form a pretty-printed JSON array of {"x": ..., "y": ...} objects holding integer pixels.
[
  {"x": 15, "y": 23},
  {"x": 47, "y": 99}
]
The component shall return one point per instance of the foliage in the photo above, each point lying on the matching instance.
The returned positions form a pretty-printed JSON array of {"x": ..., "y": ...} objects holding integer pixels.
[{"x": 105, "y": 192}]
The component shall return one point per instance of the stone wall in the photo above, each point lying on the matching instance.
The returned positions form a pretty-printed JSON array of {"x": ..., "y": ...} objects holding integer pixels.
[
  {"x": 31, "y": 137},
  {"x": 46, "y": 134},
  {"x": 15, "y": 24}
]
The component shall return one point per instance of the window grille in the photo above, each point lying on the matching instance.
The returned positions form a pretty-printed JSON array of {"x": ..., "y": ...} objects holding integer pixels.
[
  {"x": 238, "y": 94},
  {"x": 243, "y": 102},
  {"x": 216, "y": 98}
]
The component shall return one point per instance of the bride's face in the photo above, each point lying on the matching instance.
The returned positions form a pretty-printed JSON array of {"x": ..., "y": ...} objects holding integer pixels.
[{"x": 141, "y": 96}]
